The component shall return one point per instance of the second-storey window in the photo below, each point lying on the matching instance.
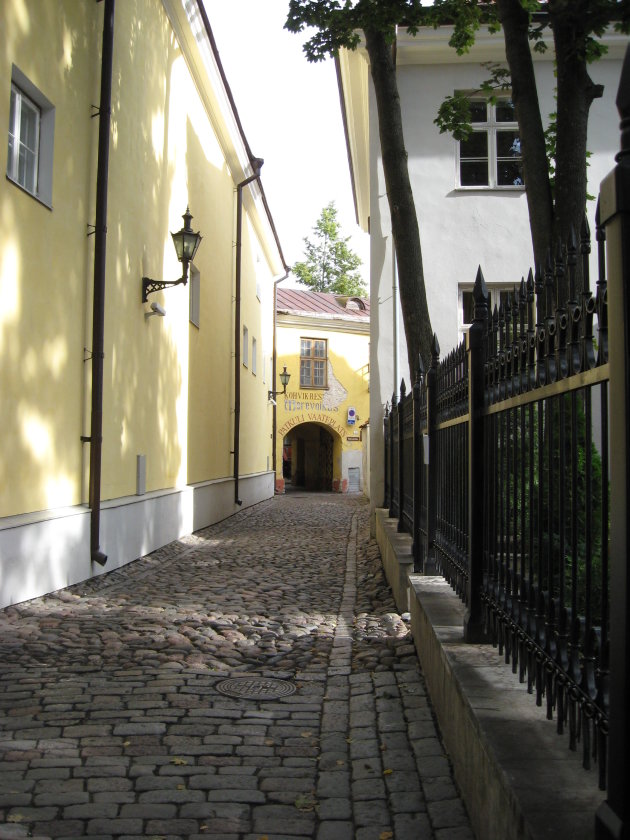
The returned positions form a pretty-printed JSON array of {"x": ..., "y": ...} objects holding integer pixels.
[
  {"x": 496, "y": 295},
  {"x": 24, "y": 119},
  {"x": 313, "y": 361},
  {"x": 491, "y": 156},
  {"x": 31, "y": 133}
]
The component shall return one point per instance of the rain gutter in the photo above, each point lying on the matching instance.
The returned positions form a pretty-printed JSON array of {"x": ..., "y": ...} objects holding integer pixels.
[
  {"x": 273, "y": 374},
  {"x": 257, "y": 164},
  {"x": 98, "y": 314}
]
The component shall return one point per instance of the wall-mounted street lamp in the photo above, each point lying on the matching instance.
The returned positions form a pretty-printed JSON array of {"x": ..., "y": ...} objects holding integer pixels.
[
  {"x": 284, "y": 379},
  {"x": 186, "y": 242}
]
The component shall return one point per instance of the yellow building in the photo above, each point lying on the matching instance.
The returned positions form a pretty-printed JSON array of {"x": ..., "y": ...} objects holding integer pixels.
[
  {"x": 323, "y": 340},
  {"x": 126, "y": 423}
]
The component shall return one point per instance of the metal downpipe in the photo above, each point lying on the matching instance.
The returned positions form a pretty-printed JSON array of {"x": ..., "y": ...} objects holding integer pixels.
[
  {"x": 256, "y": 165},
  {"x": 274, "y": 361},
  {"x": 98, "y": 316}
]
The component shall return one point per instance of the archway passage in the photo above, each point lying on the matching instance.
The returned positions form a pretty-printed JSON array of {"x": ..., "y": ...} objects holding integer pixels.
[{"x": 309, "y": 458}]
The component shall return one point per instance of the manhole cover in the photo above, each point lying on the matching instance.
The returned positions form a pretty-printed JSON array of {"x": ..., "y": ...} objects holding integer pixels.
[{"x": 255, "y": 688}]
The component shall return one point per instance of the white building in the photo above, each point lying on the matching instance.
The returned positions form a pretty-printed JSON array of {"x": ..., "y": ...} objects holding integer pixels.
[{"x": 463, "y": 224}]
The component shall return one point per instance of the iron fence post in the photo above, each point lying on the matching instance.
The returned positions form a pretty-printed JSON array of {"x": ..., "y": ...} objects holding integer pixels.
[
  {"x": 430, "y": 560},
  {"x": 401, "y": 455},
  {"x": 613, "y": 816},
  {"x": 418, "y": 468},
  {"x": 386, "y": 434},
  {"x": 473, "y": 620},
  {"x": 393, "y": 416}
]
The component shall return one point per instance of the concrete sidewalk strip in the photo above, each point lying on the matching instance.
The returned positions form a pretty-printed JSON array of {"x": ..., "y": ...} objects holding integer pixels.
[{"x": 116, "y": 720}]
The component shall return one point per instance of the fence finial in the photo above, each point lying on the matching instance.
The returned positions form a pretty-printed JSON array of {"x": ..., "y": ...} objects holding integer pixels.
[
  {"x": 623, "y": 106},
  {"x": 585, "y": 250},
  {"x": 559, "y": 276},
  {"x": 420, "y": 368},
  {"x": 548, "y": 287},
  {"x": 522, "y": 303},
  {"x": 572, "y": 263},
  {"x": 480, "y": 297},
  {"x": 435, "y": 349}
]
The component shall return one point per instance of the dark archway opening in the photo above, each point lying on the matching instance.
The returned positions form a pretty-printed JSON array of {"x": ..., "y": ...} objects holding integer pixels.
[{"x": 307, "y": 458}]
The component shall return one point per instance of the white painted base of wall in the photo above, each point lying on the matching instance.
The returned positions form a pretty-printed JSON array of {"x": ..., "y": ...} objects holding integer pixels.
[
  {"x": 49, "y": 550},
  {"x": 351, "y": 458}
]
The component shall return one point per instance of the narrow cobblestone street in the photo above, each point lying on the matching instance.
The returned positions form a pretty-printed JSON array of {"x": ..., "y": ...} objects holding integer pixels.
[{"x": 112, "y": 722}]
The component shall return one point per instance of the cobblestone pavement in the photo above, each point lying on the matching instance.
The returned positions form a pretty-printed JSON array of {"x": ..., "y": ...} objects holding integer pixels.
[{"x": 112, "y": 723}]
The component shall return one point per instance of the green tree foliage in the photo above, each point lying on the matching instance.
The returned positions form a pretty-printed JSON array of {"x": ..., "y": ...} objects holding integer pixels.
[
  {"x": 338, "y": 24},
  {"x": 329, "y": 265},
  {"x": 555, "y": 158},
  {"x": 574, "y": 27}
]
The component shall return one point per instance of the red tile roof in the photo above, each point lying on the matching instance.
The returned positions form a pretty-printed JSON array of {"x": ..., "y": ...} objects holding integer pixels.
[{"x": 323, "y": 304}]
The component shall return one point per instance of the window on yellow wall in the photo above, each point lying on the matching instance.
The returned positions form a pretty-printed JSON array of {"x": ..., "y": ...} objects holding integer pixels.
[
  {"x": 313, "y": 362},
  {"x": 31, "y": 134},
  {"x": 245, "y": 355},
  {"x": 254, "y": 361}
]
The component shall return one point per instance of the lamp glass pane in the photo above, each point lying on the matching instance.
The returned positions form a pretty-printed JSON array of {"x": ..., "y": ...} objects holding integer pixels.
[
  {"x": 178, "y": 242},
  {"x": 190, "y": 242}
]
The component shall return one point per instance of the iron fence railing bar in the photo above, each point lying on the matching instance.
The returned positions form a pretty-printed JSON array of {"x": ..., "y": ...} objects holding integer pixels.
[
  {"x": 497, "y": 462},
  {"x": 514, "y": 529},
  {"x": 455, "y": 421},
  {"x": 578, "y": 381}
]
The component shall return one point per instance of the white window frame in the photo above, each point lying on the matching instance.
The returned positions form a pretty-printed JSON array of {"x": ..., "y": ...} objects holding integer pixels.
[
  {"x": 28, "y": 95},
  {"x": 495, "y": 290},
  {"x": 245, "y": 354},
  {"x": 491, "y": 127},
  {"x": 194, "y": 299},
  {"x": 254, "y": 360},
  {"x": 310, "y": 359},
  {"x": 23, "y": 173}
]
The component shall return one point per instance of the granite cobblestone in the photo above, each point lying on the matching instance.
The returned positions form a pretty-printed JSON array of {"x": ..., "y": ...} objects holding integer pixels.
[{"x": 112, "y": 726}]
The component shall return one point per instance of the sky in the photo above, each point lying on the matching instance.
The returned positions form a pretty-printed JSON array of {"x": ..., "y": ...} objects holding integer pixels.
[{"x": 291, "y": 116}]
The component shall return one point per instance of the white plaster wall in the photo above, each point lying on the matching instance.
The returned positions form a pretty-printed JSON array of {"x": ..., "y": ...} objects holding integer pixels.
[
  {"x": 57, "y": 543},
  {"x": 459, "y": 229}
]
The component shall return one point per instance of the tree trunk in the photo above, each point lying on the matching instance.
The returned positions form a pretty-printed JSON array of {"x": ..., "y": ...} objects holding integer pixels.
[
  {"x": 515, "y": 23},
  {"x": 401, "y": 204},
  {"x": 576, "y": 92}
]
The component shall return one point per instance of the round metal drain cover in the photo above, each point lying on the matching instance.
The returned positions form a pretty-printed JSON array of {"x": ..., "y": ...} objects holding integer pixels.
[{"x": 255, "y": 688}]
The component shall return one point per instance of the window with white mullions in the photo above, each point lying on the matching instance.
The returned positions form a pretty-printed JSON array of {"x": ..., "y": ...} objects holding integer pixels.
[
  {"x": 313, "y": 360},
  {"x": 24, "y": 123},
  {"x": 491, "y": 155},
  {"x": 497, "y": 295},
  {"x": 31, "y": 134}
]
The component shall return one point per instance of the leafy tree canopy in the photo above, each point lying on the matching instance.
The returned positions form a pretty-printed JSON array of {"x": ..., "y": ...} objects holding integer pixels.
[
  {"x": 329, "y": 264},
  {"x": 554, "y": 158},
  {"x": 338, "y": 21}
]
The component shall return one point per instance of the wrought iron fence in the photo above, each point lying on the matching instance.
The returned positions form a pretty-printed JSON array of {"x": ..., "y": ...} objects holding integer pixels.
[{"x": 498, "y": 465}]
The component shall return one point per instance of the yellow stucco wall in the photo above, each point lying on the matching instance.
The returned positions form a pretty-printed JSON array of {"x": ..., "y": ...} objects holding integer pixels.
[
  {"x": 348, "y": 386},
  {"x": 257, "y": 316},
  {"x": 44, "y": 260},
  {"x": 168, "y": 385}
]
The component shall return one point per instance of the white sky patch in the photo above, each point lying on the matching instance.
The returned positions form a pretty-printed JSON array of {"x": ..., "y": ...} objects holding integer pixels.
[{"x": 291, "y": 116}]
